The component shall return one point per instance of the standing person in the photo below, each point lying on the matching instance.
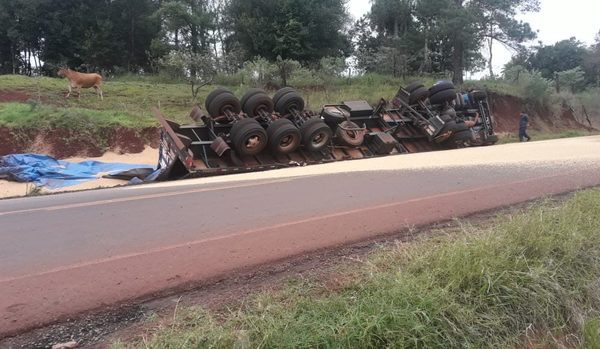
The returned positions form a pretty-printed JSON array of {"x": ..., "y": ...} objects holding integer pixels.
[{"x": 523, "y": 124}]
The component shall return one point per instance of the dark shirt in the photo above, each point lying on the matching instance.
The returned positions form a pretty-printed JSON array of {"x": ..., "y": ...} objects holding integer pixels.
[{"x": 524, "y": 122}]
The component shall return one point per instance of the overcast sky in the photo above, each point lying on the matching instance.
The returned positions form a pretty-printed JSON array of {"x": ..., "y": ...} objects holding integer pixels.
[{"x": 557, "y": 20}]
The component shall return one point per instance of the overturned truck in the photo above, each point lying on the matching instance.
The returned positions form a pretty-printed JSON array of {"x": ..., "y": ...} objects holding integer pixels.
[{"x": 259, "y": 133}]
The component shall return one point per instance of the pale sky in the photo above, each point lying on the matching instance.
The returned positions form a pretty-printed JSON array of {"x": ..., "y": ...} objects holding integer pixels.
[{"x": 557, "y": 20}]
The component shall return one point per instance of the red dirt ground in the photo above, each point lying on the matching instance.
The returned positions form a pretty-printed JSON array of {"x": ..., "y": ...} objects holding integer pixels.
[
  {"x": 507, "y": 111},
  {"x": 13, "y": 96},
  {"x": 63, "y": 143}
]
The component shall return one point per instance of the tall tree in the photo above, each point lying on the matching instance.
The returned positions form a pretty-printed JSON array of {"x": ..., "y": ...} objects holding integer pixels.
[
  {"x": 562, "y": 56},
  {"x": 460, "y": 25},
  {"x": 302, "y": 30},
  {"x": 188, "y": 24},
  {"x": 392, "y": 18},
  {"x": 591, "y": 62},
  {"x": 498, "y": 24},
  {"x": 366, "y": 45}
]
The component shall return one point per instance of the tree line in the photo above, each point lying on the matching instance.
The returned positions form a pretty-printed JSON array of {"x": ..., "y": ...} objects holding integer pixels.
[{"x": 201, "y": 38}]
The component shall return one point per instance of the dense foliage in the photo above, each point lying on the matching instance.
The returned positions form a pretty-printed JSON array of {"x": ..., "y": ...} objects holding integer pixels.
[{"x": 198, "y": 39}]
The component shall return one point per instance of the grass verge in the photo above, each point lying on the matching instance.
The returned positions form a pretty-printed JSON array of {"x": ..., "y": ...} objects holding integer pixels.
[
  {"x": 544, "y": 136},
  {"x": 526, "y": 280},
  {"x": 137, "y": 95},
  {"x": 34, "y": 116}
]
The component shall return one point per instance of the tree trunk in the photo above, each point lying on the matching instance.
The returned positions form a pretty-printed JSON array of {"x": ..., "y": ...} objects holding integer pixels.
[
  {"x": 458, "y": 54},
  {"x": 193, "y": 38},
  {"x": 458, "y": 62},
  {"x": 12, "y": 58},
  {"x": 426, "y": 65},
  {"x": 491, "y": 59},
  {"x": 131, "y": 42}
]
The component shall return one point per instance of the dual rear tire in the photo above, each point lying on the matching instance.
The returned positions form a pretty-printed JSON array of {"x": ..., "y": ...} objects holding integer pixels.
[{"x": 442, "y": 92}]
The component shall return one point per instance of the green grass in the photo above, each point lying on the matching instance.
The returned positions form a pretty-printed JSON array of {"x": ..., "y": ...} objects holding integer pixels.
[
  {"x": 34, "y": 116},
  {"x": 131, "y": 98},
  {"x": 527, "y": 278},
  {"x": 136, "y": 96},
  {"x": 497, "y": 86},
  {"x": 506, "y": 138}
]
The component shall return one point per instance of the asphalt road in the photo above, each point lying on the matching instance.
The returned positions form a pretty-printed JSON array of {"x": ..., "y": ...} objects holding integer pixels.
[{"x": 66, "y": 254}]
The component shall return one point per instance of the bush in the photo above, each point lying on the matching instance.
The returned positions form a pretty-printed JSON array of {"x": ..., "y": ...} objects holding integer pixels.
[
  {"x": 307, "y": 79},
  {"x": 573, "y": 79},
  {"x": 259, "y": 72},
  {"x": 535, "y": 88}
]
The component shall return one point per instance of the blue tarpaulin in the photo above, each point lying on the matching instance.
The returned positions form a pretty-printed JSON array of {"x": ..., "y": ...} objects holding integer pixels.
[{"x": 48, "y": 172}]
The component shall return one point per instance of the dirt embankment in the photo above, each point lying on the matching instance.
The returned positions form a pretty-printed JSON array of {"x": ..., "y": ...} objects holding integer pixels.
[
  {"x": 64, "y": 143},
  {"x": 507, "y": 111}
]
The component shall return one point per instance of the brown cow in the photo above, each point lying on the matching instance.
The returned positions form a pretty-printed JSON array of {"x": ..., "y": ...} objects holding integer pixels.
[{"x": 79, "y": 80}]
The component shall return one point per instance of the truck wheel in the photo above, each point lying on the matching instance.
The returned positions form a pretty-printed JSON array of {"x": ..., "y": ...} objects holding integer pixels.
[
  {"x": 418, "y": 95},
  {"x": 449, "y": 130},
  {"x": 251, "y": 92},
  {"x": 441, "y": 86},
  {"x": 459, "y": 103},
  {"x": 458, "y": 139},
  {"x": 316, "y": 135},
  {"x": 349, "y": 138},
  {"x": 213, "y": 94},
  {"x": 282, "y": 92},
  {"x": 334, "y": 115},
  {"x": 443, "y": 97},
  {"x": 288, "y": 102},
  {"x": 260, "y": 102},
  {"x": 248, "y": 137},
  {"x": 413, "y": 87},
  {"x": 478, "y": 95},
  {"x": 284, "y": 136},
  {"x": 455, "y": 127},
  {"x": 222, "y": 103}
]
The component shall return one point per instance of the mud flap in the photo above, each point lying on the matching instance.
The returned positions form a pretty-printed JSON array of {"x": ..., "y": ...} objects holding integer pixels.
[{"x": 169, "y": 166}]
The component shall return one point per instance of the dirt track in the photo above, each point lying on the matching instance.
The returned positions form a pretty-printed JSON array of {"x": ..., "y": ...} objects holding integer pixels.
[{"x": 72, "y": 253}]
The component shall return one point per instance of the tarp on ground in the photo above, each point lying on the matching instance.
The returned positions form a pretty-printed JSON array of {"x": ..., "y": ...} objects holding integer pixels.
[{"x": 46, "y": 171}]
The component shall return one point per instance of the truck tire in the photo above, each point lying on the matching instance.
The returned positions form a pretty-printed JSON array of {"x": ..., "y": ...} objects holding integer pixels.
[
  {"x": 445, "y": 117},
  {"x": 441, "y": 86},
  {"x": 459, "y": 103},
  {"x": 442, "y": 96},
  {"x": 259, "y": 102},
  {"x": 284, "y": 136},
  {"x": 251, "y": 92},
  {"x": 334, "y": 116},
  {"x": 478, "y": 95},
  {"x": 316, "y": 135},
  {"x": 248, "y": 137},
  {"x": 459, "y": 138},
  {"x": 418, "y": 95},
  {"x": 413, "y": 87},
  {"x": 282, "y": 92},
  {"x": 288, "y": 102},
  {"x": 222, "y": 103},
  {"x": 455, "y": 127},
  {"x": 352, "y": 139},
  {"x": 213, "y": 94}
]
